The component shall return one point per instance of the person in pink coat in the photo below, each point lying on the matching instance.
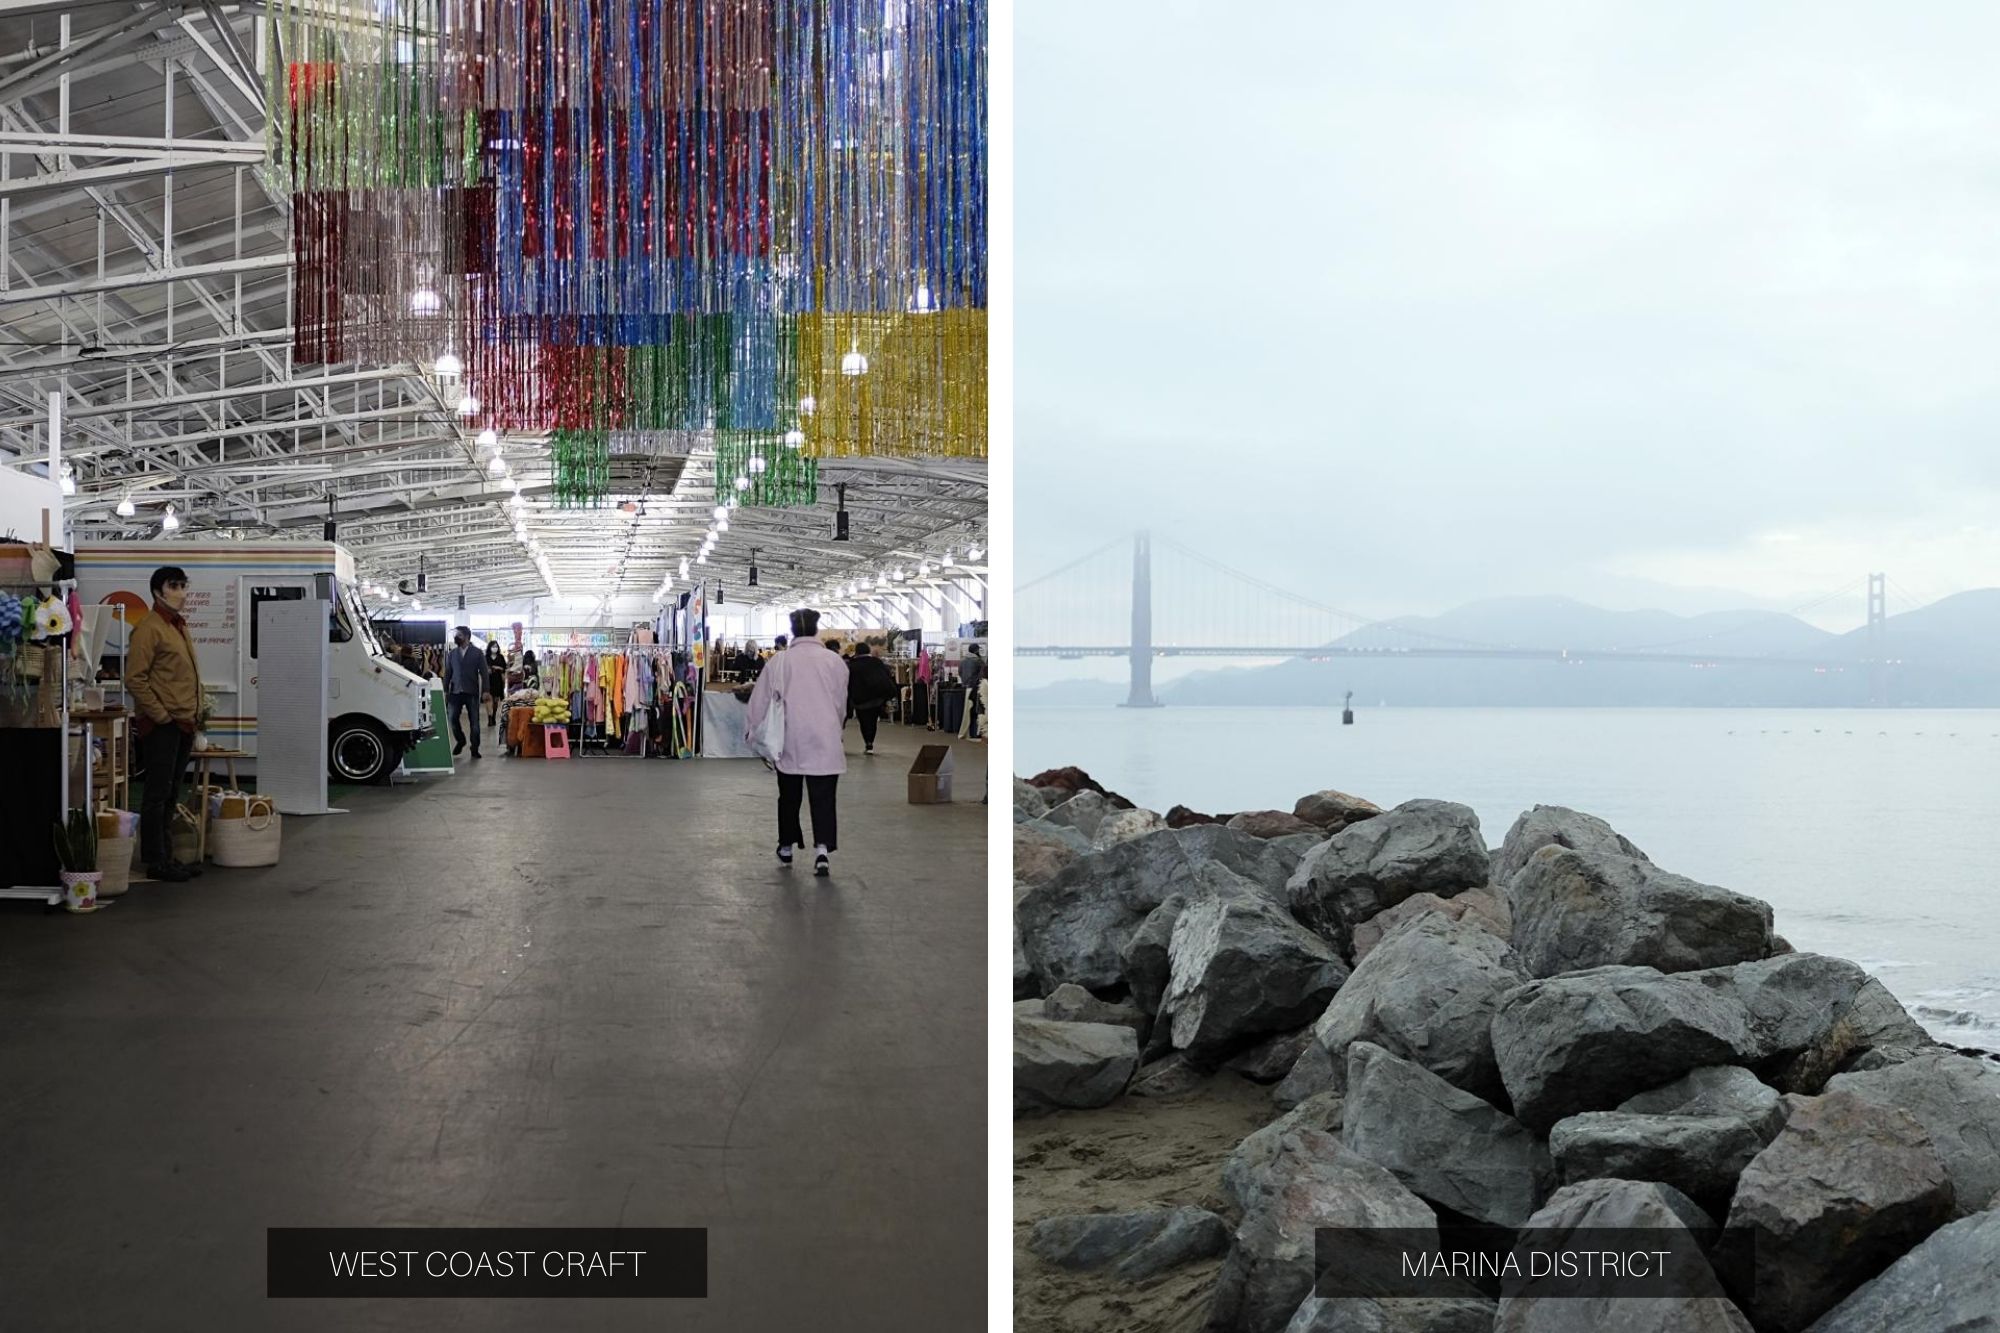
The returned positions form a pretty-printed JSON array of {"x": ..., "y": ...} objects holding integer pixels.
[{"x": 811, "y": 680}]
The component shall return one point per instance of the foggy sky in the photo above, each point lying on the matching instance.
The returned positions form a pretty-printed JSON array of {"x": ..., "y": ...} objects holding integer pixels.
[{"x": 1682, "y": 305}]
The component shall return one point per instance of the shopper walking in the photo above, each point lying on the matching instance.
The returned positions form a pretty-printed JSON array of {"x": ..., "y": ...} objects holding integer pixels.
[
  {"x": 870, "y": 687},
  {"x": 971, "y": 671},
  {"x": 496, "y": 680},
  {"x": 165, "y": 681},
  {"x": 464, "y": 677},
  {"x": 531, "y": 671},
  {"x": 812, "y": 684}
]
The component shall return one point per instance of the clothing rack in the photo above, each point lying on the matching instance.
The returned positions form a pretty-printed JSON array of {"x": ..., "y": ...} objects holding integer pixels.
[{"x": 42, "y": 892}]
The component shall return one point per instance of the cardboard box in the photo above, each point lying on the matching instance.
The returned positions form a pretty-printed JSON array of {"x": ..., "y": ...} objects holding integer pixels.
[{"x": 930, "y": 776}]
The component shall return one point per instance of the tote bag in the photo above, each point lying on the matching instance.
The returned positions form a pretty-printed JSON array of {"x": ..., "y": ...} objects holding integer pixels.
[{"x": 768, "y": 739}]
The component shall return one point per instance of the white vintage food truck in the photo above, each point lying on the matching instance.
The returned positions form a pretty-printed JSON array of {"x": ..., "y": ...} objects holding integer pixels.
[{"x": 375, "y": 709}]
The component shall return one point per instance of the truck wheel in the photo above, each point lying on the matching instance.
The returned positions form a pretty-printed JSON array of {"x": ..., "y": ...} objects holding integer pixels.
[{"x": 358, "y": 751}]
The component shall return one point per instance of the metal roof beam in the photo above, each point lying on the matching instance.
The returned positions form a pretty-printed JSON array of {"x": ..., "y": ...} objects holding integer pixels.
[
  {"x": 147, "y": 278},
  {"x": 77, "y": 178}
]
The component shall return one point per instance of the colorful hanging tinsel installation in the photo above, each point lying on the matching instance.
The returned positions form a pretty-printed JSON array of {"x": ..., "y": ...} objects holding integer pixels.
[{"x": 731, "y": 219}]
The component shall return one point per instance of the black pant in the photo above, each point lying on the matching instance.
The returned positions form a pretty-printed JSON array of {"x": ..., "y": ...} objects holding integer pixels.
[
  {"x": 792, "y": 786},
  {"x": 470, "y": 703},
  {"x": 165, "y": 751},
  {"x": 869, "y": 717}
]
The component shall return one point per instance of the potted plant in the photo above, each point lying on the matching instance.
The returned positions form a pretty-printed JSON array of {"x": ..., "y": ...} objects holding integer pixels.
[{"x": 76, "y": 850}]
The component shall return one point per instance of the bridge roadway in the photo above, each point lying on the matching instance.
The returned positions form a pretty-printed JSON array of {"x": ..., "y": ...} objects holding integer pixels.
[{"x": 1324, "y": 653}]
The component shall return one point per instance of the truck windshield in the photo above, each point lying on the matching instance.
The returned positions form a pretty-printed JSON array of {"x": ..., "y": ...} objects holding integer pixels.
[
  {"x": 340, "y": 626},
  {"x": 358, "y": 614}
]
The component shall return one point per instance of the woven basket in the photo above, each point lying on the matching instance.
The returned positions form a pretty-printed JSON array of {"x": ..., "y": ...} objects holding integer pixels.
[
  {"x": 114, "y": 862},
  {"x": 249, "y": 841}
]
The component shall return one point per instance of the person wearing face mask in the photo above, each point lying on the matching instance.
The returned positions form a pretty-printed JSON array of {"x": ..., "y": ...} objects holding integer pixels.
[
  {"x": 165, "y": 682},
  {"x": 464, "y": 678}
]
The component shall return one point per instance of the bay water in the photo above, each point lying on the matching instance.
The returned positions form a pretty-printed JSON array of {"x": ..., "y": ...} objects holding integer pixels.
[{"x": 1874, "y": 834}]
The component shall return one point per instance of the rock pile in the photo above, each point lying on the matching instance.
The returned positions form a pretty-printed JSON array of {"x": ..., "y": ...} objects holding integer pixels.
[{"x": 1556, "y": 1032}]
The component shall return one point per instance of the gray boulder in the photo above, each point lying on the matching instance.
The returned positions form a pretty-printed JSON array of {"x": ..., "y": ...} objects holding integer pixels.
[
  {"x": 1366, "y": 868},
  {"x": 1271, "y": 1059},
  {"x": 1266, "y": 862},
  {"x": 1273, "y": 824},
  {"x": 1715, "y": 1090},
  {"x": 1590, "y": 1040},
  {"x": 1312, "y": 1073},
  {"x": 1620, "y": 1205},
  {"x": 1575, "y": 910},
  {"x": 1070, "y": 1064},
  {"x": 1074, "y": 925},
  {"x": 1331, "y": 811},
  {"x": 1699, "y": 1155},
  {"x": 1030, "y": 1009},
  {"x": 1025, "y": 984},
  {"x": 1428, "y": 993},
  {"x": 1557, "y": 826},
  {"x": 1872, "y": 1021},
  {"x": 1312, "y": 1182},
  {"x": 1083, "y": 812},
  {"x": 1957, "y": 1101},
  {"x": 1173, "y": 1076},
  {"x": 1845, "y": 1188},
  {"x": 1810, "y": 1015},
  {"x": 1402, "y": 1314},
  {"x": 1476, "y": 907},
  {"x": 1144, "y": 959},
  {"x": 1948, "y": 1284},
  {"x": 1042, "y": 851},
  {"x": 1240, "y": 966},
  {"x": 1134, "y": 1246},
  {"x": 1445, "y": 1144},
  {"x": 1124, "y": 825},
  {"x": 1250, "y": 1159},
  {"x": 1029, "y": 801},
  {"x": 1071, "y": 1003},
  {"x": 1881, "y": 1057}
]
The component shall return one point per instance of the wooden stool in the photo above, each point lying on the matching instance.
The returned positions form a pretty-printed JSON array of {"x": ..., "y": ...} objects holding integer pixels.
[{"x": 204, "y": 762}]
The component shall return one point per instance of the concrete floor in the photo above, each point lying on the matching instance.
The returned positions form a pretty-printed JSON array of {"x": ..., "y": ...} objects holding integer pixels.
[{"x": 532, "y": 993}]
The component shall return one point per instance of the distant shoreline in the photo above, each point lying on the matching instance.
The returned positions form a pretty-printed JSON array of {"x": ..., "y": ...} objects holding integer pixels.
[{"x": 1030, "y": 702}]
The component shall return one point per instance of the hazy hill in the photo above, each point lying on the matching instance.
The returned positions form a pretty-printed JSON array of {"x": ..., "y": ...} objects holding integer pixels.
[{"x": 1948, "y": 655}]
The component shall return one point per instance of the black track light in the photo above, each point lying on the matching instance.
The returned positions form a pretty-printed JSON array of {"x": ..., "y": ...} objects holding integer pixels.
[
  {"x": 840, "y": 515},
  {"x": 753, "y": 567}
]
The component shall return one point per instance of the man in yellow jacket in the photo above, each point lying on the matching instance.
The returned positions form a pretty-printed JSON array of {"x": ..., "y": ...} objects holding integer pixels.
[{"x": 165, "y": 681}]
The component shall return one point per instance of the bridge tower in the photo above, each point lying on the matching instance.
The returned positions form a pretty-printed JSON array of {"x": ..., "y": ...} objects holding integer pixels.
[
  {"x": 1878, "y": 640},
  {"x": 1141, "y": 695}
]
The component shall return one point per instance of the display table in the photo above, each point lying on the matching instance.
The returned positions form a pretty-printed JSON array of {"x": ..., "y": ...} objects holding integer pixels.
[
  {"x": 205, "y": 762},
  {"x": 725, "y": 726}
]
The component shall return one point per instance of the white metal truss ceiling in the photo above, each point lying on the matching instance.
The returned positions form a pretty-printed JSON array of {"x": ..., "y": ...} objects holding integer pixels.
[{"x": 146, "y": 280}]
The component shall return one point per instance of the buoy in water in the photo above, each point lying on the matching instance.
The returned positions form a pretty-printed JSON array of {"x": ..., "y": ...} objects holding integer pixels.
[{"x": 1347, "y": 710}]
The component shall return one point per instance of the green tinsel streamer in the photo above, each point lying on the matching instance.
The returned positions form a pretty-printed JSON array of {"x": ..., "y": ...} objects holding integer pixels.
[
  {"x": 789, "y": 479},
  {"x": 582, "y": 461}
]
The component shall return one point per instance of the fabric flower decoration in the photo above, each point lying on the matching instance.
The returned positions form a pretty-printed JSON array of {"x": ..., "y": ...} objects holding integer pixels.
[{"x": 52, "y": 620}]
